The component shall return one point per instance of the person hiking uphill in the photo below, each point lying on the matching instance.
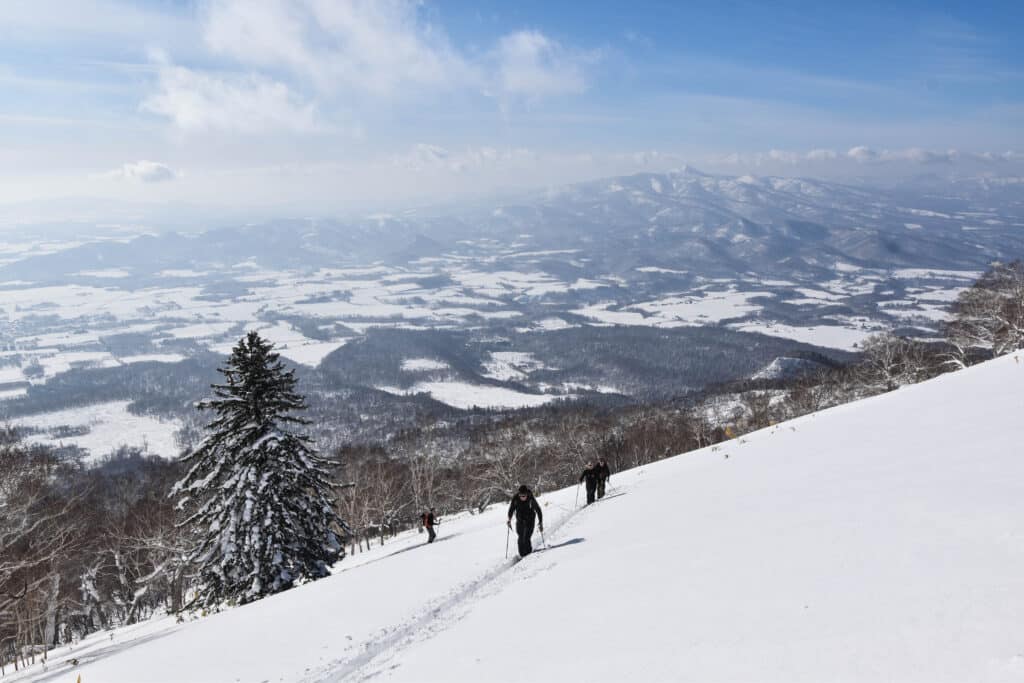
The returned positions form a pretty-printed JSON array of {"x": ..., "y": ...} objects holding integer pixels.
[
  {"x": 428, "y": 521},
  {"x": 526, "y": 510},
  {"x": 590, "y": 477},
  {"x": 604, "y": 475}
]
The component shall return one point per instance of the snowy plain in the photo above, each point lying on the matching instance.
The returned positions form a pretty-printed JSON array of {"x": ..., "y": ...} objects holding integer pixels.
[
  {"x": 880, "y": 540},
  {"x": 103, "y": 427},
  {"x": 467, "y": 395}
]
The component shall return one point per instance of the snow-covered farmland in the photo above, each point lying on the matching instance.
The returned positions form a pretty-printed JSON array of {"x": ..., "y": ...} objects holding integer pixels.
[
  {"x": 698, "y": 308},
  {"x": 832, "y": 336},
  {"x": 511, "y": 365},
  {"x": 112, "y": 273},
  {"x": 927, "y": 273},
  {"x": 152, "y": 358},
  {"x": 104, "y": 427},
  {"x": 119, "y": 317},
  {"x": 466, "y": 395},
  {"x": 423, "y": 365}
]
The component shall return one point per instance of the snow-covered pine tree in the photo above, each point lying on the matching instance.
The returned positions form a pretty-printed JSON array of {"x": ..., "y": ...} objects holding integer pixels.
[{"x": 256, "y": 495}]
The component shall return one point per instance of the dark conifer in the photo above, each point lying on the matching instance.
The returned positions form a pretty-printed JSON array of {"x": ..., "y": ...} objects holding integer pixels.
[{"x": 256, "y": 494}]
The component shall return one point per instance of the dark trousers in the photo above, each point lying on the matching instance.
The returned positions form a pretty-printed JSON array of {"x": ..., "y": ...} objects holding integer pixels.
[
  {"x": 431, "y": 535},
  {"x": 524, "y": 530},
  {"x": 600, "y": 488},
  {"x": 591, "y": 488}
]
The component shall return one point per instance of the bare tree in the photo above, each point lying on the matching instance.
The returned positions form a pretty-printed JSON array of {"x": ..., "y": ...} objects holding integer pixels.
[
  {"x": 758, "y": 406},
  {"x": 353, "y": 500},
  {"x": 504, "y": 466},
  {"x": 424, "y": 479},
  {"x": 890, "y": 362},
  {"x": 387, "y": 496},
  {"x": 988, "y": 318},
  {"x": 37, "y": 531},
  {"x": 808, "y": 394}
]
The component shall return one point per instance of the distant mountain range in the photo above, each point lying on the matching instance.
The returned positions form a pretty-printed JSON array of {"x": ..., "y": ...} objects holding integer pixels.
[
  {"x": 625, "y": 289},
  {"x": 707, "y": 224}
]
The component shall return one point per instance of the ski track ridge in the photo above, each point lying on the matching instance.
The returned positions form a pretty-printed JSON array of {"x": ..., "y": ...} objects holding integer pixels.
[{"x": 392, "y": 641}]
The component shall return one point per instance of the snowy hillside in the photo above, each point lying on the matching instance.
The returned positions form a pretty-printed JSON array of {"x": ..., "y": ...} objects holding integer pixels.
[{"x": 881, "y": 540}]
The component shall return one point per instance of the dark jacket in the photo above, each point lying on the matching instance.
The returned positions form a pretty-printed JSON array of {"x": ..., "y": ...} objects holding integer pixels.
[
  {"x": 591, "y": 476},
  {"x": 524, "y": 510},
  {"x": 603, "y": 471},
  {"x": 427, "y": 518}
]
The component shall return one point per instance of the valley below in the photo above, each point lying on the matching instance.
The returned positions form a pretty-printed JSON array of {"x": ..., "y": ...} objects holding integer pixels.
[{"x": 624, "y": 290}]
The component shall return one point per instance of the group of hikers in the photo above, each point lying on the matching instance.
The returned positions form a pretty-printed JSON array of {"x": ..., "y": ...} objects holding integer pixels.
[
  {"x": 526, "y": 510},
  {"x": 596, "y": 475}
]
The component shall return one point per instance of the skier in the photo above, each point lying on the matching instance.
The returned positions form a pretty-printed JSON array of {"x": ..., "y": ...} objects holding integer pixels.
[
  {"x": 604, "y": 475},
  {"x": 428, "y": 521},
  {"x": 525, "y": 508},
  {"x": 590, "y": 474}
]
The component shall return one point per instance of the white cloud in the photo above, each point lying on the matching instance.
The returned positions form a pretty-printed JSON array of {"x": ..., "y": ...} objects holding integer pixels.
[
  {"x": 924, "y": 156},
  {"x": 532, "y": 65},
  {"x": 783, "y": 156},
  {"x": 828, "y": 162},
  {"x": 376, "y": 46},
  {"x": 915, "y": 155},
  {"x": 423, "y": 156},
  {"x": 862, "y": 154},
  {"x": 427, "y": 157},
  {"x": 295, "y": 63},
  {"x": 384, "y": 47},
  {"x": 99, "y": 20},
  {"x": 198, "y": 101},
  {"x": 144, "y": 172},
  {"x": 1005, "y": 156},
  {"x": 652, "y": 158},
  {"x": 822, "y": 155}
]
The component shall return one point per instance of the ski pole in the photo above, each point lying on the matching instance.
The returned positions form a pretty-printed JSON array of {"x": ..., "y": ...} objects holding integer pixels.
[
  {"x": 577, "y": 497},
  {"x": 508, "y": 532},
  {"x": 542, "y": 541}
]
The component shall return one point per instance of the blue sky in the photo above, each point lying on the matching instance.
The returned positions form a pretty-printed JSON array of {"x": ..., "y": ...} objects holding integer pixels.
[{"x": 325, "y": 102}]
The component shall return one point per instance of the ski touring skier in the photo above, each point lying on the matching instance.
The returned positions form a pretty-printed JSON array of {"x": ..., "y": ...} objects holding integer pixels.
[
  {"x": 590, "y": 477},
  {"x": 526, "y": 510},
  {"x": 428, "y": 521},
  {"x": 604, "y": 475}
]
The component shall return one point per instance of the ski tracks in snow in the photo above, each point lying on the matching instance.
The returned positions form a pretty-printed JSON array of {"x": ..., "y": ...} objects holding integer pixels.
[{"x": 437, "y": 617}]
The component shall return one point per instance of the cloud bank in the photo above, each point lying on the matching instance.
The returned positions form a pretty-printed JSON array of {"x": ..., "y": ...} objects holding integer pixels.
[{"x": 143, "y": 172}]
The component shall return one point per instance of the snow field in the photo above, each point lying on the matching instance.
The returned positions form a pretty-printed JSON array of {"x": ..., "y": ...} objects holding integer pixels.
[
  {"x": 831, "y": 336},
  {"x": 423, "y": 365},
  {"x": 698, "y": 308},
  {"x": 110, "y": 425},
  {"x": 374, "y": 601},
  {"x": 511, "y": 365},
  {"x": 880, "y": 540},
  {"x": 466, "y": 395}
]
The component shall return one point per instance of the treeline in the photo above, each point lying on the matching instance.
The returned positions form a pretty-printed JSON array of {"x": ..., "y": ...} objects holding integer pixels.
[{"x": 83, "y": 549}]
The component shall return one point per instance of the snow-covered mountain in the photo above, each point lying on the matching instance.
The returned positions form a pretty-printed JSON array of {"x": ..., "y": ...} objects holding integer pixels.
[
  {"x": 728, "y": 224},
  {"x": 880, "y": 540},
  {"x": 712, "y": 224}
]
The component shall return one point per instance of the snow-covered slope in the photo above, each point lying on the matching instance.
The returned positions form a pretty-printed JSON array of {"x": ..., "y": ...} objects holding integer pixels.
[{"x": 882, "y": 540}]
